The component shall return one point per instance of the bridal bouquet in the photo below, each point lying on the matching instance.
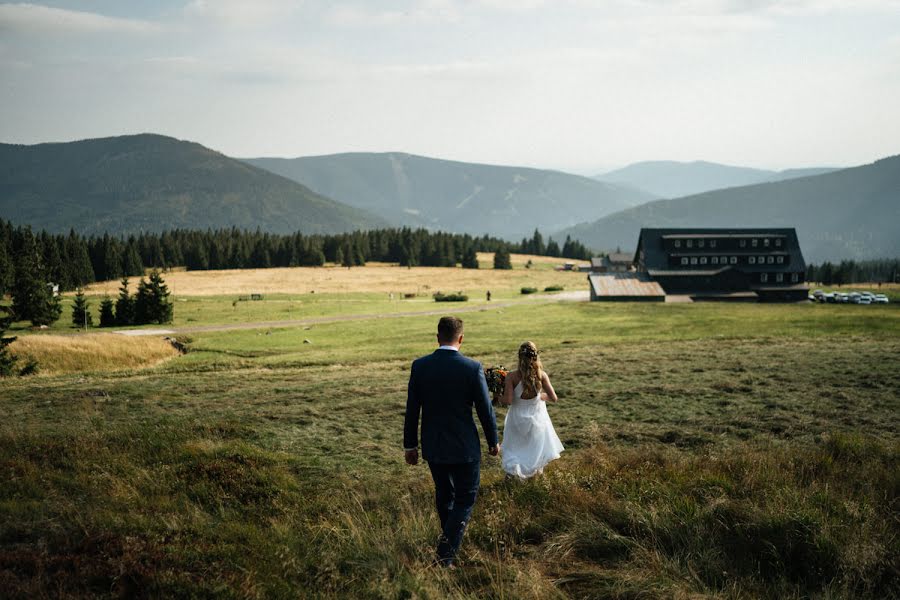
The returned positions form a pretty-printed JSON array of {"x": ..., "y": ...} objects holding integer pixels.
[{"x": 496, "y": 377}]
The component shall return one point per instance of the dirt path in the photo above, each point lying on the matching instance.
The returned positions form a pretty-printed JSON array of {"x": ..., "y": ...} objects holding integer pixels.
[{"x": 561, "y": 297}]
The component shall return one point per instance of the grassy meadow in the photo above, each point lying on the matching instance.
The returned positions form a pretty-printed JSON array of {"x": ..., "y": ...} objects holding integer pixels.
[{"x": 712, "y": 450}]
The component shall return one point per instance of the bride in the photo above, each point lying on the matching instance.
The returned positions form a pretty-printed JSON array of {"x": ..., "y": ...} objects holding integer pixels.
[{"x": 529, "y": 440}]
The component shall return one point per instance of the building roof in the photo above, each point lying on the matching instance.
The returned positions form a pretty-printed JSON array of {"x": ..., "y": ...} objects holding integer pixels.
[
  {"x": 655, "y": 257},
  {"x": 621, "y": 257},
  {"x": 629, "y": 284}
]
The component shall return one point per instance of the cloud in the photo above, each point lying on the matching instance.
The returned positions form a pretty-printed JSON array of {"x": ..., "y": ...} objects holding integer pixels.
[
  {"x": 416, "y": 13},
  {"x": 242, "y": 13},
  {"x": 33, "y": 18}
]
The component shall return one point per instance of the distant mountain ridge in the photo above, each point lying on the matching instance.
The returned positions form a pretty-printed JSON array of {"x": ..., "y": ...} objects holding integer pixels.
[
  {"x": 150, "y": 182},
  {"x": 672, "y": 179},
  {"x": 851, "y": 213},
  {"x": 413, "y": 190}
]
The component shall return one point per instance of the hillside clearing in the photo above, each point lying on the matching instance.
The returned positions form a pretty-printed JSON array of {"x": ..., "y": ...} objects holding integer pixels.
[{"x": 93, "y": 352}]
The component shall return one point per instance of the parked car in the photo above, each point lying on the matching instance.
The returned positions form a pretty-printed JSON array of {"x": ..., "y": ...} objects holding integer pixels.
[
  {"x": 864, "y": 300},
  {"x": 869, "y": 294},
  {"x": 854, "y": 297},
  {"x": 880, "y": 299},
  {"x": 831, "y": 298},
  {"x": 842, "y": 297},
  {"x": 818, "y": 294}
]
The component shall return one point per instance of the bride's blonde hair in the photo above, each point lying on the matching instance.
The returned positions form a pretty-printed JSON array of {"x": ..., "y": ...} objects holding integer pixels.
[{"x": 530, "y": 368}]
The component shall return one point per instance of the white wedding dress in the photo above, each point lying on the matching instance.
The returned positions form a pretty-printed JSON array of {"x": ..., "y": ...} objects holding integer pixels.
[{"x": 529, "y": 440}]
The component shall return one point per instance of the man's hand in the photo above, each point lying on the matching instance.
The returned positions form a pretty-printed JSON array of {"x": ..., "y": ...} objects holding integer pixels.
[
  {"x": 494, "y": 450},
  {"x": 412, "y": 457}
]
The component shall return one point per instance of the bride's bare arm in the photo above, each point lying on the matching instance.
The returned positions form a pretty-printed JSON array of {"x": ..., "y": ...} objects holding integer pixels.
[
  {"x": 508, "y": 386},
  {"x": 547, "y": 394}
]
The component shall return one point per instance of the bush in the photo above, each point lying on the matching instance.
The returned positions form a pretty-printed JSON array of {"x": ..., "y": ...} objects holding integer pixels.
[
  {"x": 458, "y": 297},
  {"x": 553, "y": 288},
  {"x": 529, "y": 290}
]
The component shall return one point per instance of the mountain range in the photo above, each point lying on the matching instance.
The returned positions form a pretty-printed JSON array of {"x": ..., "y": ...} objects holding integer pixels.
[
  {"x": 456, "y": 196},
  {"x": 153, "y": 183},
  {"x": 850, "y": 213},
  {"x": 671, "y": 179}
]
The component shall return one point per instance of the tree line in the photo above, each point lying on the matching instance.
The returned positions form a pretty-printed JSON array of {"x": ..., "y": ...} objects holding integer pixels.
[
  {"x": 882, "y": 270},
  {"x": 72, "y": 261}
]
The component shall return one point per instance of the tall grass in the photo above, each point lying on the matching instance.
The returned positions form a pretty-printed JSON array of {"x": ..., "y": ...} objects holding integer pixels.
[{"x": 56, "y": 354}]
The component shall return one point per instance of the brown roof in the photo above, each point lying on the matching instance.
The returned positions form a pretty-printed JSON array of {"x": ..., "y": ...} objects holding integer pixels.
[
  {"x": 624, "y": 284},
  {"x": 621, "y": 257}
]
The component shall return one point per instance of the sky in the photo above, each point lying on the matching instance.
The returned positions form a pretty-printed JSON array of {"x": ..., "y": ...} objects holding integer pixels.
[{"x": 576, "y": 85}]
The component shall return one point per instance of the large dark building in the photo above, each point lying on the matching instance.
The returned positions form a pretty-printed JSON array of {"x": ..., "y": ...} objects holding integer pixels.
[{"x": 764, "y": 264}]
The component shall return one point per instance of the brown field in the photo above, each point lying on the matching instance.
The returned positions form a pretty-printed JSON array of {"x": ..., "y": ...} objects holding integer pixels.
[
  {"x": 92, "y": 352},
  {"x": 375, "y": 277}
]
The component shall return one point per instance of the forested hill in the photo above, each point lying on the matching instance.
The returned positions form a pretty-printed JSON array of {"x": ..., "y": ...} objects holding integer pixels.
[
  {"x": 154, "y": 183},
  {"x": 672, "y": 179},
  {"x": 456, "y": 196},
  {"x": 848, "y": 214}
]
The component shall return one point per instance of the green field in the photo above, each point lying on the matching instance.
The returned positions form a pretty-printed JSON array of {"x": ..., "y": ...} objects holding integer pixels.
[{"x": 713, "y": 450}]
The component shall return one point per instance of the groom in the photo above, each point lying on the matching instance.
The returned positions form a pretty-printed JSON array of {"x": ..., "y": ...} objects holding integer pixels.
[{"x": 444, "y": 386}]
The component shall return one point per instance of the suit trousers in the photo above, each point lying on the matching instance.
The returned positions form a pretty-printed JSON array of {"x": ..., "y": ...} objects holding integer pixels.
[{"x": 455, "y": 491}]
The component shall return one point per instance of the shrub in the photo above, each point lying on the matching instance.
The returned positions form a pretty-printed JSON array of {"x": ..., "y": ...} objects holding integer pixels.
[
  {"x": 458, "y": 297},
  {"x": 529, "y": 290},
  {"x": 553, "y": 288}
]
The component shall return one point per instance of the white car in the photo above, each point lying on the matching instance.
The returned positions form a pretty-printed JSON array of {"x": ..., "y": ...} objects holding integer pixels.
[
  {"x": 880, "y": 299},
  {"x": 864, "y": 300}
]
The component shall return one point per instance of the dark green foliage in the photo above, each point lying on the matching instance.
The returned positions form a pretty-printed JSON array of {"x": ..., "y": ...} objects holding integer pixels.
[
  {"x": 152, "y": 304},
  {"x": 553, "y": 288},
  {"x": 125, "y": 308},
  {"x": 502, "y": 258},
  {"x": 849, "y": 271},
  {"x": 529, "y": 290},
  {"x": 458, "y": 297},
  {"x": 33, "y": 296},
  {"x": 81, "y": 311},
  {"x": 7, "y": 360},
  {"x": 107, "y": 316},
  {"x": 553, "y": 248},
  {"x": 470, "y": 258}
]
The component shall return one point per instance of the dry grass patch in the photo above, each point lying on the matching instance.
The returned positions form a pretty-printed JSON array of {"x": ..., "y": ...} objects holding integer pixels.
[
  {"x": 92, "y": 352},
  {"x": 374, "y": 277}
]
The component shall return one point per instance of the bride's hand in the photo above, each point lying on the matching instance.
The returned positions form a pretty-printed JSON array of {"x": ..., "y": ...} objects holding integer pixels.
[{"x": 544, "y": 396}]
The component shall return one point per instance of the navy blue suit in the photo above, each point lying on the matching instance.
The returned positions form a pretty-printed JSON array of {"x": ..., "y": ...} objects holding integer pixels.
[{"x": 444, "y": 387}]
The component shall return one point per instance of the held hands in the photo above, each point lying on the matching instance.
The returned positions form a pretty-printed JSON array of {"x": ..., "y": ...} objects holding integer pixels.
[
  {"x": 494, "y": 450},
  {"x": 412, "y": 457},
  {"x": 544, "y": 396}
]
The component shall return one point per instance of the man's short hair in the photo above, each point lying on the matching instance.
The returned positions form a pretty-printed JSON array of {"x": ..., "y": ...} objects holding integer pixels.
[{"x": 449, "y": 329}]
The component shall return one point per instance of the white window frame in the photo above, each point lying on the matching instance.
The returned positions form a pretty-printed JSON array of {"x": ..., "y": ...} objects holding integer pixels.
[
  {"x": 743, "y": 243},
  {"x": 701, "y": 243},
  {"x": 714, "y": 260},
  {"x": 779, "y": 277},
  {"x": 754, "y": 243},
  {"x": 778, "y": 242},
  {"x": 770, "y": 260},
  {"x": 684, "y": 260},
  {"x": 693, "y": 260},
  {"x": 702, "y": 260},
  {"x": 795, "y": 277},
  {"x": 764, "y": 277},
  {"x": 752, "y": 260},
  {"x": 678, "y": 243},
  {"x": 689, "y": 243},
  {"x": 712, "y": 243},
  {"x": 734, "y": 260},
  {"x": 779, "y": 260},
  {"x": 766, "y": 242}
]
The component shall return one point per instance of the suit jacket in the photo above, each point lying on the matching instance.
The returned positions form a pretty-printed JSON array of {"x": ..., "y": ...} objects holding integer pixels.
[{"x": 443, "y": 387}]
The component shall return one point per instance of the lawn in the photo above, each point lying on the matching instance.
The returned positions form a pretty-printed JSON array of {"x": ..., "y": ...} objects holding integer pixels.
[{"x": 713, "y": 450}]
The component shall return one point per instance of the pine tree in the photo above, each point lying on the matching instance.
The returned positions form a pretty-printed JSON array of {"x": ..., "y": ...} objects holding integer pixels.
[
  {"x": 107, "y": 316},
  {"x": 154, "y": 296},
  {"x": 7, "y": 360},
  {"x": 339, "y": 256},
  {"x": 125, "y": 305},
  {"x": 347, "y": 257},
  {"x": 33, "y": 297},
  {"x": 470, "y": 258},
  {"x": 552, "y": 248},
  {"x": 81, "y": 311},
  {"x": 501, "y": 258}
]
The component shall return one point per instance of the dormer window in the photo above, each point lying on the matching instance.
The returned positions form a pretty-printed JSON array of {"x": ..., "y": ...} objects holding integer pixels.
[
  {"x": 702, "y": 260},
  {"x": 771, "y": 260},
  {"x": 779, "y": 260},
  {"x": 752, "y": 260},
  {"x": 779, "y": 277},
  {"x": 766, "y": 242},
  {"x": 700, "y": 243},
  {"x": 684, "y": 260},
  {"x": 755, "y": 243},
  {"x": 693, "y": 260},
  {"x": 734, "y": 260},
  {"x": 690, "y": 243},
  {"x": 778, "y": 243},
  {"x": 678, "y": 243},
  {"x": 714, "y": 260}
]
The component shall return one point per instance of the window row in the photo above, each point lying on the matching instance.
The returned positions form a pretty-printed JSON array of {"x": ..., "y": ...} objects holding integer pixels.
[
  {"x": 711, "y": 260},
  {"x": 754, "y": 243},
  {"x": 766, "y": 260},
  {"x": 779, "y": 277}
]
